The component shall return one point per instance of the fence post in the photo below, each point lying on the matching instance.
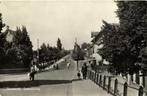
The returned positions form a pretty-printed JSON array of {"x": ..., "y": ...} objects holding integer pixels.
[
  {"x": 92, "y": 76},
  {"x": 140, "y": 92},
  {"x": 144, "y": 79},
  {"x": 97, "y": 78},
  {"x": 137, "y": 78},
  {"x": 100, "y": 80},
  {"x": 115, "y": 87},
  {"x": 109, "y": 84},
  {"x": 104, "y": 82},
  {"x": 96, "y": 68},
  {"x": 125, "y": 89},
  {"x": 88, "y": 73}
]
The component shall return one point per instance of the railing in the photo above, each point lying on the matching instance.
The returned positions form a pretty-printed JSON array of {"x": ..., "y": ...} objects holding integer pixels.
[{"x": 113, "y": 86}]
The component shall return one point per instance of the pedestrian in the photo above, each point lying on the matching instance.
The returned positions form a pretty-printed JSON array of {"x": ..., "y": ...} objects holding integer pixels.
[
  {"x": 68, "y": 65},
  {"x": 84, "y": 70},
  {"x": 79, "y": 75},
  {"x": 54, "y": 66},
  {"x": 32, "y": 73},
  {"x": 57, "y": 67}
]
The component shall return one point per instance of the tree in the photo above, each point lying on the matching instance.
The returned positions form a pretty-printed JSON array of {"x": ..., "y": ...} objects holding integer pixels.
[
  {"x": 2, "y": 57},
  {"x": 112, "y": 45},
  {"x": 59, "y": 45},
  {"x": 13, "y": 57},
  {"x": 85, "y": 45},
  {"x": 21, "y": 48},
  {"x": 1, "y": 23},
  {"x": 2, "y": 42},
  {"x": 2, "y": 36},
  {"x": 123, "y": 42},
  {"x": 132, "y": 16},
  {"x": 77, "y": 53},
  {"x": 43, "y": 54},
  {"x": 18, "y": 52},
  {"x": 48, "y": 53},
  {"x": 25, "y": 45}
]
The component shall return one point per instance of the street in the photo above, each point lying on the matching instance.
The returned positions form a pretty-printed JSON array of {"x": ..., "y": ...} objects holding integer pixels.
[
  {"x": 73, "y": 48},
  {"x": 50, "y": 83},
  {"x": 62, "y": 82}
]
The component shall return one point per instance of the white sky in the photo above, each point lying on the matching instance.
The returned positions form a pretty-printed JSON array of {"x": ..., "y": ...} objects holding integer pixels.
[{"x": 48, "y": 20}]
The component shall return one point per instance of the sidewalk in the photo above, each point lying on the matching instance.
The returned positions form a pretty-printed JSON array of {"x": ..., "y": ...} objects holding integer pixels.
[
  {"x": 12, "y": 77},
  {"x": 24, "y": 76},
  {"x": 132, "y": 88},
  {"x": 87, "y": 88}
]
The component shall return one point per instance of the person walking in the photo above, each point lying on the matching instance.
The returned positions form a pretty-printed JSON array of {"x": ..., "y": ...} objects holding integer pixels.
[
  {"x": 79, "y": 75},
  {"x": 32, "y": 73},
  {"x": 84, "y": 70},
  {"x": 68, "y": 65}
]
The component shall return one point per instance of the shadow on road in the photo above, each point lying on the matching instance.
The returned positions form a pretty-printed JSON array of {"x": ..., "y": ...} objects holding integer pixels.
[
  {"x": 27, "y": 84},
  {"x": 73, "y": 80}
]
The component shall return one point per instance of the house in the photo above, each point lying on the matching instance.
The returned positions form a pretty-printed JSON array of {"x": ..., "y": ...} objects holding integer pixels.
[
  {"x": 9, "y": 34},
  {"x": 96, "y": 45}
]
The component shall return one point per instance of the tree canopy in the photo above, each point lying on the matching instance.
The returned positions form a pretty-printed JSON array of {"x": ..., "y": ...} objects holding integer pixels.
[
  {"x": 59, "y": 45},
  {"x": 17, "y": 52},
  {"x": 48, "y": 53},
  {"x": 77, "y": 53},
  {"x": 123, "y": 42}
]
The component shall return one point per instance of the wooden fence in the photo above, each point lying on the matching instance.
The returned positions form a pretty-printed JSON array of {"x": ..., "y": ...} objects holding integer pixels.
[{"x": 113, "y": 86}]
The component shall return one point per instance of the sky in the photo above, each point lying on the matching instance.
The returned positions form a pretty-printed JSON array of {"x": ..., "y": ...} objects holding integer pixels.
[{"x": 64, "y": 19}]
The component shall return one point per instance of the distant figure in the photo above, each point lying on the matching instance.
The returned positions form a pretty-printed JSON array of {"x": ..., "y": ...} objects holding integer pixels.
[
  {"x": 54, "y": 66},
  {"x": 32, "y": 73},
  {"x": 57, "y": 67},
  {"x": 84, "y": 70},
  {"x": 92, "y": 66},
  {"x": 68, "y": 65},
  {"x": 79, "y": 75}
]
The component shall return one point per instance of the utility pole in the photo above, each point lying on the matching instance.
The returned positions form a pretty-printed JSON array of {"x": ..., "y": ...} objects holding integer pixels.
[
  {"x": 38, "y": 51},
  {"x": 77, "y": 54}
]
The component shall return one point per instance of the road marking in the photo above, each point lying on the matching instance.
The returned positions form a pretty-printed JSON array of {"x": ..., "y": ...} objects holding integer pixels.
[
  {"x": 18, "y": 89},
  {"x": 31, "y": 89},
  {"x": 16, "y": 78},
  {"x": 13, "y": 89}
]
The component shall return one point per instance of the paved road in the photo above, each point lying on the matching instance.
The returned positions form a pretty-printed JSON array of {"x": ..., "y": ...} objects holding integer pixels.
[
  {"x": 50, "y": 83},
  {"x": 62, "y": 82}
]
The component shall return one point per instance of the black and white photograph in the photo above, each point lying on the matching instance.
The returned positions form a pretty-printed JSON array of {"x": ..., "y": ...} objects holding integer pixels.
[{"x": 73, "y": 48}]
